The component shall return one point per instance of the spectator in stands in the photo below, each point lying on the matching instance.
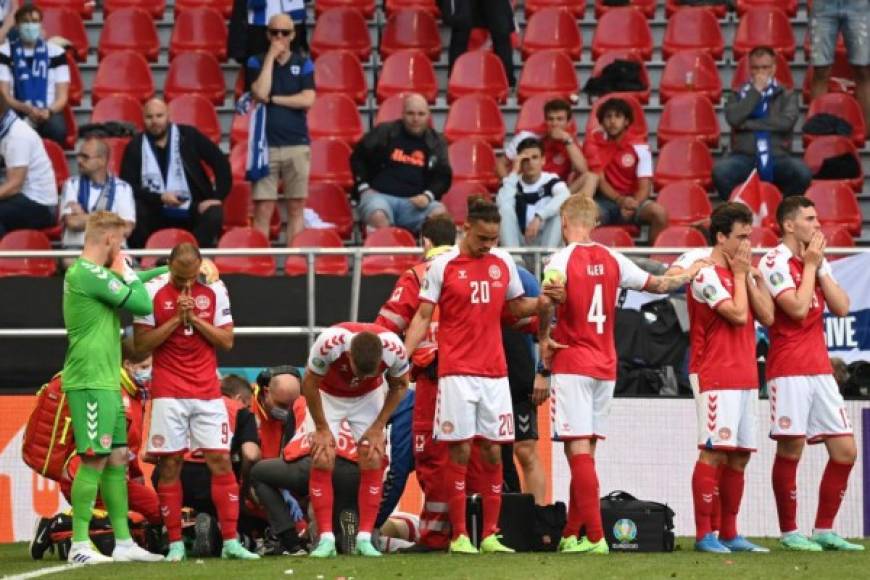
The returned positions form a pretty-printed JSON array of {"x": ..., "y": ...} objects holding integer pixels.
[
  {"x": 165, "y": 165},
  {"x": 529, "y": 200},
  {"x": 497, "y": 16},
  {"x": 762, "y": 116},
  {"x": 249, "y": 24},
  {"x": 401, "y": 169},
  {"x": 34, "y": 76},
  {"x": 829, "y": 18},
  {"x": 624, "y": 170},
  {"x": 93, "y": 189},
  {"x": 284, "y": 83},
  {"x": 7, "y": 17},
  {"x": 28, "y": 195}
]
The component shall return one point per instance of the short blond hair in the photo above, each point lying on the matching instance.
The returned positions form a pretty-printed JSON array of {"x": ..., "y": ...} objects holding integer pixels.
[
  {"x": 102, "y": 222},
  {"x": 580, "y": 210}
]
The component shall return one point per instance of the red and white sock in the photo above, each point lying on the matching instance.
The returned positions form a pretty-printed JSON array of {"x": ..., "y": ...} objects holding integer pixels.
[
  {"x": 784, "y": 479},
  {"x": 716, "y": 515},
  {"x": 225, "y": 495},
  {"x": 455, "y": 480},
  {"x": 320, "y": 496},
  {"x": 170, "y": 495},
  {"x": 731, "y": 486},
  {"x": 371, "y": 483},
  {"x": 584, "y": 484},
  {"x": 703, "y": 488},
  {"x": 831, "y": 492},
  {"x": 491, "y": 497}
]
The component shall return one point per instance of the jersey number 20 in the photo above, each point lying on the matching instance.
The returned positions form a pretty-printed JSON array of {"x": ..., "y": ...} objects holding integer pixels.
[
  {"x": 596, "y": 314},
  {"x": 479, "y": 292}
]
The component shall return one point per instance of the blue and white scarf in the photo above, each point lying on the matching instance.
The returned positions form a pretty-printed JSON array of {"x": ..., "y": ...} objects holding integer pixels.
[
  {"x": 106, "y": 199},
  {"x": 31, "y": 78},
  {"x": 176, "y": 180},
  {"x": 260, "y": 11},
  {"x": 257, "y": 162},
  {"x": 763, "y": 154},
  {"x": 6, "y": 122}
]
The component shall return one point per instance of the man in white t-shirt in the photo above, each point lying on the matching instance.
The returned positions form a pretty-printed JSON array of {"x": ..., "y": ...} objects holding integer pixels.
[
  {"x": 91, "y": 190},
  {"x": 529, "y": 200},
  {"x": 34, "y": 76},
  {"x": 28, "y": 193}
]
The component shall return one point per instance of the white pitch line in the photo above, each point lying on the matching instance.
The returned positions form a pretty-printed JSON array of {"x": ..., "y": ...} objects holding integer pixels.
[{"x": 43, "y": 572}]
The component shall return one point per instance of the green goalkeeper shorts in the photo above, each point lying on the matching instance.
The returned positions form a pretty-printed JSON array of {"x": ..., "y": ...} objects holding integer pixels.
[{"x": 98, "y": 420}]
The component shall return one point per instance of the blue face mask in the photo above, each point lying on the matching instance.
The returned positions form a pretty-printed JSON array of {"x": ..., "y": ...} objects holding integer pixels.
[
  {"x": 30, "y": 31},
  {"x": 142, "y": 376}
]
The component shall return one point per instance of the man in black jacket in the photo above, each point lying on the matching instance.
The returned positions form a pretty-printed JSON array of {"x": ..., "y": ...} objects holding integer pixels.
[
  {"x": 401, "y": 170},
  {"x": 165, "y": 167}
]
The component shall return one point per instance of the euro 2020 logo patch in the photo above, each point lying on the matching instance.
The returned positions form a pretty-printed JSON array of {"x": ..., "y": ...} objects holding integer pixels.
[
  {"x": 776, "y": 278},
  {"x": 709, "y": 292},
  {"x": 625, "y": 530}
]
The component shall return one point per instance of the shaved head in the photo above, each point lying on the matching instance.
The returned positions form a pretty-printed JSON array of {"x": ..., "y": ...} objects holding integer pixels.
[
  {"x": 156, "y": 118},
  {"x": 281, "y": 20},
  {"x": 415, "y": 113}
]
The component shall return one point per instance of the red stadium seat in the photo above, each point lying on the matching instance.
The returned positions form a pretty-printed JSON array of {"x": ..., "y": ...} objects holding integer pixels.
[
  {"x": 166, "y": 239},
  {"x": 836, "y": 204},
  {"x": 612, "y": 237},
  {"x": 827, "y": 146},
  {"x": 200, "y": 29},
  {"x": 430, "y": 6},
  {"x": 475, "y": 116},
  {"x": 671, "y": 7},
  {"x": 411, "y": 29},
  {"x": 691, "y": 72},
  {"x": 783, "y": 73},
  {"x": 531, "y": 117},
  {"x": 764, "y": 26},
  {"x": 58, "y": 161},
  {"x": 638, "y": 129},
  {"x": 72, "y": 129},
  {"x": 693, "y": 29},
  {"x": 84, "y": 8},
  {"x": 123, "y": 108},
  {"x": 365, "y": 7},
  {"x": 385, "y": 263},
  {"x": 237, "y": 206},
  {"x": 340, "y": 71},
  {"x": 330, "y": 163},
  {"x": 197, "y": 111},
  {"x": 335, "y": 116},
  {"x": 67, "y": 23},
  {"x": 239, "y": 161},
  {"x": 762, "y": 237},
  {"x": 473, "y": 160},
  {"x": 123, "y": 73},
  {"x": 684, "y": 160},
  {"x": 224, "y": 7},
  {"x": 841, "y": 80},
  {"x": 552, "y": 29},
  {"x": 342, "y": 28},
  {"x": 26, "y": 240},
  {"x": 689, "y": 115},
  {"x": 323, "y": 265},
  {"x": 195, "y": 73},
  {"x": 117, "y": 146},
  {"x": 837, "y": 237},
  {"x": 613, "y": 55},
  {"x": 154, "y": 8},
  {"x": 647, "y": 7},
  {"x": 456, "y": 199},
  {"x": 787, "y": 6},
  {"x": 687, "y": 204},
  {"x": 331, "y": 203},
  {"x": 477, "y": 71},
  {"x": 678, "y": 237},
  {"x": 76, "y": 85},
  {"x": 239, "y": 129},
  {"x": 623, "y": 28},
  {"x": 251, "y": 265},
  {"x": 129, "y": 29},
  {"x": 550, "y": 72},
  {"x": 407, "y": 71},
  {"x": 841, "y": 105},
  {"x": 576, "y": 7}
]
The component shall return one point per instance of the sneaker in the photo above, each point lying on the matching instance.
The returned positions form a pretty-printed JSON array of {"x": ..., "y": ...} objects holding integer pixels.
[
  {"x": 832, "y": 541},
  {"x": 325, "y": 548},
  {"x": 600, "y": 547},
  {"x": 41, "y": 541},
  {"x": 568, "y": 544},
  {"x": 799, "y": 543},
  {"x": 130, "y": 551},
  {"x": 462, "y": 545},
  {"x": 348, "y": 521},
  {"x": 364, "y": 547},
  {"x": 177, "y": 553},
  {"x": 84, "y": 554},
  {"x": 741, "y": 544},
  {"x": 492, "y": 545},
  {"x": 203, "y": 538},
  {"x": 710, "y": 543},
  {"x": 234, "y": 550}
]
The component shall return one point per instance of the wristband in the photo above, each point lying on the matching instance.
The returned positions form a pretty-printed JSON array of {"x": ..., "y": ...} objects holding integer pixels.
[{"x": 544, "y": 372}]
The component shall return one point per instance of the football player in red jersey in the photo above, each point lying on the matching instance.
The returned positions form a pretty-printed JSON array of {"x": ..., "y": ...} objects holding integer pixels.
[
  {"x": 805, "y": 402},
  {"x": 344, "y": 382}
]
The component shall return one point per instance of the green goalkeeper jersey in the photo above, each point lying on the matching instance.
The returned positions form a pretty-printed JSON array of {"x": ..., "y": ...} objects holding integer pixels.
[{"x": 92, "y": 296}]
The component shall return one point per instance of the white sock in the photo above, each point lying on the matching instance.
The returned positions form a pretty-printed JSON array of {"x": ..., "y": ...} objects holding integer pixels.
[
  {"x": 327, "y": 536},
  {"x": 821, "y": 531},
  {"x": 128, "y": 543},
  {"x": 81, "y": 545},
  {"x": 364, "y": 536}
]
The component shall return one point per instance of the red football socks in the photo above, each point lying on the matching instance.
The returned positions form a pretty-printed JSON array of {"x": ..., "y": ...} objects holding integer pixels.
[
  {"x": 731, "y": 486},
  {"x": 491, "y": 497},
  {"x": 575, "y": 520},
  {"x": 784, "y": 479},
  {"x": 831, "y": 492},
  {"x": 371, "y": 482},
  {"x": 455, "y": 479},
  {"x": 716, "y": 514},
  {"x": 584, "y": 486},
  {"x": 320, "y": 495},
  {"x": 170, "y": 495},
  {"x": 225, "y": 496},
  {"x": 703, "y": 488}
]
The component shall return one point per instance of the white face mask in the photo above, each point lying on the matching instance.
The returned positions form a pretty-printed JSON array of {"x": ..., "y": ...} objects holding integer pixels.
[
  {"x": 142, "y": 376},
  {"x": 30, "y": 31}
]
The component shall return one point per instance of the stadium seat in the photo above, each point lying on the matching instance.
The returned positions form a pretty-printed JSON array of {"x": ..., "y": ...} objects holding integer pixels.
[
  {"x": 550, "y": 72},
  {"x": 456, "y": 199},
  {"x": 430, "y": 6},
  {"x": 239, "y": 161},
  {"x": 671, "y": 7},
  {"x": 623, "y": 28},
  {"x": 836, "y": 204},
  {"x": 339, "y": 71},
  {"x": 475, "y": 116},
  {"x": 195, "y": 73},
  {"x": 67, "y": 23},
  {"x": 251, "y": 265},
  {"x": 771, "y": 198},
  {"x": 197, "y": 111},
  {"x": 478, "y": 71},
  {"x": 689, "y": 115},
  {"x": 154, "y": 8},
  {"x": 199, "y": 29},
  {"x": 837, "y": 237},
  {"x": 84, "y": 8},
  {"x": 123, "y": 108},
  {"x": 646, "y": 7},
  {"x": 117, "y": 146},
  {"x": 612, "y": 237},
  {"x": 237, "y": 206},
  {"x": 224, "y": 7},
  {"x": 473, "y": 160},
  {"x": 841, "y": 80},
  {"x": 123, "y": 73},
  {"x": 764, "y": 26},
  {"x": 691, "y": 72},
  {"x": 72, "y": 129},
  {"x": 762, "y": 237},
  {"x": 841, "y": 105},
  {"x": 239, "y": 129},
  {"x": 393, "y": 264},
  {"x": 411, "y": 29},
  {"x": 684, "y": 159},
  {"x": 58, "y": 161},
  {"x": 331, "y": 203},
  {"x": 531, "y": 117},
  {"x": 687, "y": 204},
  {"x": 335, "y": 116},
  {"x": 783, "y": 73},
  {"x": 552, "y": 29},
  {"x": 365, "y": 7},
  {"x": 638, "y": 129},
  {"x": 330, "y": 163},
  {"x": 677, "y": 237},
  {"x": 76, "y": 85},
  {"x": 827, "y": 146},
  {"x": 613, "y": 55},
  {"x": 129, "y": 29},
  {"x": 576, "y": 7},
  {"x": 693, "y": 29},
  {"x": 165, "y": 239},
  {"x": 26, "y": 240},
  {"x": 323, "y": 265},
  {"x": 341, "y": 28},
  {"x": 787, "y": 6},
  {"x": 407, "y": 71}
]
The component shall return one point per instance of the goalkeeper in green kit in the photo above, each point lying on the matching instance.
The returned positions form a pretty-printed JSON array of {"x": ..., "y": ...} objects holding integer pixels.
[{"x": 98, "y": 284}]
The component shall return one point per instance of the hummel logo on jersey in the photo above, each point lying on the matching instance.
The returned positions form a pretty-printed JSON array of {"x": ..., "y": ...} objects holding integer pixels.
[
  {"x": 463, "y": 275},
  {"x": 168, "y": 305},
  {"x": 233, "y": 497},
  {"x": 316, "y": 492},
  {"x": 374, "y": 490}
]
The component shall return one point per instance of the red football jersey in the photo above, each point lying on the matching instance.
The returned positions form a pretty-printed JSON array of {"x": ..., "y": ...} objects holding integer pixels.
[
  {"x": 796, "y": 348},
  {"x": 726, "y": 357},
  {"x": 185, "y": 365},
  {"x": 329, "y": 358},
  {"x": 622, "y": 162},
  {"x": 696, "y": 336},
  {"x": 556, "y": 159},
  {"x": 593, "y": 275},
  {"x": 397, "y": 312}
]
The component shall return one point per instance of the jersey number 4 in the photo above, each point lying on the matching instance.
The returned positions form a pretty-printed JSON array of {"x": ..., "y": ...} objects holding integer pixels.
[
  {"x": 479, "y": 292},
  {"x": 596, "y": 314}
]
